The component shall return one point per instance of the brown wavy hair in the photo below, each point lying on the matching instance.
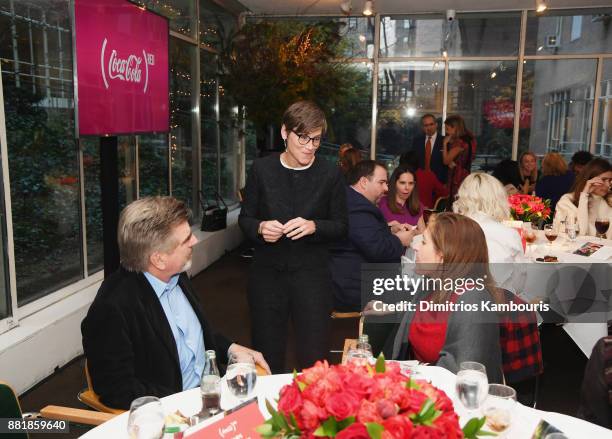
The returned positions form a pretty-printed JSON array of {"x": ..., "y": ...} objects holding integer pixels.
[
  {"x": 553, "y": 163},
  {"x": 349, "y": 159},
  {"x": 463, "y": 246},
  {"x": 412, "y": 203},
  {"x": 595, "y": 167}
]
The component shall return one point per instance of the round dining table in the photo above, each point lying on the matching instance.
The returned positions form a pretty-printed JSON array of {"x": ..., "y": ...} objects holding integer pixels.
[{"x": 524, "y": 420}]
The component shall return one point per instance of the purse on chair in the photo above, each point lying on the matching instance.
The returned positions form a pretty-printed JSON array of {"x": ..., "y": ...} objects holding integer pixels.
[{"x": 214, "y": 215}]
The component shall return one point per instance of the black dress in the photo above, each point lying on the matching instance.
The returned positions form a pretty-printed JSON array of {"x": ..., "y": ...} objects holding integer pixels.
[{"x": 292, "y": 278}]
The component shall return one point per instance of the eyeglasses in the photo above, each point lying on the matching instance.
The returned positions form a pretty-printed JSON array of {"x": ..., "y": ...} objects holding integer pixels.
[{"x": 303, "y": 140}]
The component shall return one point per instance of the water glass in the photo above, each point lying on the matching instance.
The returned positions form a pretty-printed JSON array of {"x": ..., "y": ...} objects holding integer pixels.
[
  {"x": 571, "y": 229},
  {"x": 359, "y": 356},
  {"x": 556, "y": 436},
  {"x": 241, "y": 375},
  {"x": 472, "y": 385},
  {"x": 499, "y": 407},
  {"x": 146, "y": 420}
]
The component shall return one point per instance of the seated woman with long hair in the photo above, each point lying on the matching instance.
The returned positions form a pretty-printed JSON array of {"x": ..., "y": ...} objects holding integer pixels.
[
  {"x": 556, "y": 179},
  {"x": 401, "y": 205},
  {"x": 590, "y": 198},
  {"x": 483, "y": 198},
  {"x": 453, "y": 248}
]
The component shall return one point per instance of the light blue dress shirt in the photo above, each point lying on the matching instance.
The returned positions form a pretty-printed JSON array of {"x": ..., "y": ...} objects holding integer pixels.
[{"x": 185, "y": 327}]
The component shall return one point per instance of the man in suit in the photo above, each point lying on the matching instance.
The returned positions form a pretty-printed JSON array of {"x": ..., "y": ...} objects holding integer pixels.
[
  {"x": 370, "y": 239},
  {"x": 429, "y": 148},
  {"x": 145, "y": 333}
]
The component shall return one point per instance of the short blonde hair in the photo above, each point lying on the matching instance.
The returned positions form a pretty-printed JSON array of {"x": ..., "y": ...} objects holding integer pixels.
[
  {"x": 145, "y": 226},
  {"x": 553, "y": 164},
  {"x": 482, "y": 193}
]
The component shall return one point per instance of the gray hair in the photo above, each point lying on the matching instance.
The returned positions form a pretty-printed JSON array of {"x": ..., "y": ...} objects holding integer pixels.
[
  {"x": 145, "y": 226},
  {"x": 482, "y": 193}
]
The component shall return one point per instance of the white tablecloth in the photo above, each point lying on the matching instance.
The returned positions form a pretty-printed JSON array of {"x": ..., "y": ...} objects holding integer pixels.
[
  {"x": 585, "y": 335},
  {"x": 524, "y": 423}
]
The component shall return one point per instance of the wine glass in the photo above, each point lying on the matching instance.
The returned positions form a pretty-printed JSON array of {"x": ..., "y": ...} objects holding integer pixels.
[
  {"x": 146, "y": 420},
  {"x": 499, "y": 407},
  {"x": 472, "y": 385},
  {"x": 550, "y": 231},
  {"x": 601, "y": 226},
  {"x": 241, "y": 375},
  {"x": 529, "y": 233}
]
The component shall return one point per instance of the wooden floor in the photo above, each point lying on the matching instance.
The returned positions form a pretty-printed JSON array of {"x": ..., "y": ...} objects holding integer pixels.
[{"x": 222, "y": 291}]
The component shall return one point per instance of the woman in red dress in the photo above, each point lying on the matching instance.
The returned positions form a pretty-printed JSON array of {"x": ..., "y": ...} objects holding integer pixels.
[{"x": 458, "y": 149}]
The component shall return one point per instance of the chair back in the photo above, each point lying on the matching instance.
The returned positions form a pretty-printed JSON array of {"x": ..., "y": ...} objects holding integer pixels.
[
  {"x": 91, "y": 399},
  {"x": 10, "y": 408}
]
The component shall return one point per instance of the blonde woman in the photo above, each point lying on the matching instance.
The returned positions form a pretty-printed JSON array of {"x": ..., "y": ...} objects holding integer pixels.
[
  {"x": 590, "y": 198},
  {"x": 483, "y": 198}
]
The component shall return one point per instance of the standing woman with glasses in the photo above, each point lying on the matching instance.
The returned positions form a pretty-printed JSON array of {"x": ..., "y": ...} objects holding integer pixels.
[{"x": 294, "y": 208}]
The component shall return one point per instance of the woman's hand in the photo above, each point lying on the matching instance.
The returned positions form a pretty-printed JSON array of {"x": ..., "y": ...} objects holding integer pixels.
[
  {"x": 298, "y": 228},
  {"x": 593, "y": 183},
  {"x": 395, "y": 226},
  {"x": 271, "y": 231}
]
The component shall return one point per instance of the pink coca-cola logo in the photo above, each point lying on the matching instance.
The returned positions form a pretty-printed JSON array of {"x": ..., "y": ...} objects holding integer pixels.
[{"x": 128, "y": 68}]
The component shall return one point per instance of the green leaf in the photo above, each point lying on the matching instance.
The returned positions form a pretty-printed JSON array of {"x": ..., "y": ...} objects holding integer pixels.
[
  {"x": 473, "y": 429},
  {"x": 345, "y": 423},
  {"x": 374, "y": 429},
  {"x": 301, "y": 385},
  {"x": 329, "y": 428},
  {"x": 411, "y": 384},
  {"x": 380, "y": 364},
  {"x": 266, "y": 430},
  {"x": 294, "y": 422}
]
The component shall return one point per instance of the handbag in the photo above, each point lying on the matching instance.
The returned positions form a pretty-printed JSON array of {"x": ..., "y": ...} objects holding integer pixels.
[{"x": 214, "y": 216}]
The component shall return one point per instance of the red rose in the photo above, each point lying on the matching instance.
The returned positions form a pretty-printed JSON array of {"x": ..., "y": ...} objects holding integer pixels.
[
  {"x": 290, "y": 399},
  {"x": 425, "y": 432},
  {"x": 354, "y": 431},
  {"x": 342, "y": 405},
  {"x": 312, "y": 415},
  {"x": 449, "y": 424},
  {"x": 397, "y": 427}
]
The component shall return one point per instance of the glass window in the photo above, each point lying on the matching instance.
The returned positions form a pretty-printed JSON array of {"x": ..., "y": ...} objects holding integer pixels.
[
  {"x": 42, "y": 156},
  {"x": 558, "y": 99},
  {"x": 604, "y": 139},
  {"x": 350, "y": 121},
  {"x": 127, "y": 192},
  {"x": 578, "y": 31},
  {"x": 182, "y": 66},
  {"x": 412, "y": 35},
  {"x": 5, "y": 293},
  {"x": 482, "y": 92},
  {"x": 484, "y": 34},
  {"x": 406, "y": 91},
  {"x": 209, "y": 110},
  {"x": 180, "y": 12},
  {"x": 229, "y": 147},
  {"x": 216, "y": 25},
  {"x": 153, "y": 164}
]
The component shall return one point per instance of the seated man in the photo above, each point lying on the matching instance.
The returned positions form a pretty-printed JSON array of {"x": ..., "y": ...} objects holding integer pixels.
[
  {"x": 369, "y": 237},
  {"x": 145, "y": 333}
]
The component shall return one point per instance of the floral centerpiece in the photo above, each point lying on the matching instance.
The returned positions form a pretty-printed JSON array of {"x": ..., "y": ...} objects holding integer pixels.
[
  {"x": 529, "y": 208},
  {"x": 361, "y": 401}
]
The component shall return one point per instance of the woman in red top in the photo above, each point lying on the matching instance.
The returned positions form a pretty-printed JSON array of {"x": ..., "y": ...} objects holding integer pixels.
[
  {"x": 428, "y": 185},
  {"x": 453, "y": 258},
  {"x": 458, "y": 149}
]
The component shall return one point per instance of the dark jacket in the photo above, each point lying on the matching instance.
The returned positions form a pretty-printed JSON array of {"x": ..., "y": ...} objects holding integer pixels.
[
  {"x": 129, "y": 345},
  {"x": 553, "y": 187},
  {"x": 274, "y": 192},
  {"x": 436, "y": 164},
  {"x": 369, "y": 240}
]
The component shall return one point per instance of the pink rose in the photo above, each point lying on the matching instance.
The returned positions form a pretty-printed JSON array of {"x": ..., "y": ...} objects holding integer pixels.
[
  {"x": 354, "y": 431},
  {"x": 397, "y": 427},
  {"x": 368, "y": 412},
  {"x": 386, "y": 408},
  {"x": 290, "y": 399},
  {"x": 342, "y": 405}
]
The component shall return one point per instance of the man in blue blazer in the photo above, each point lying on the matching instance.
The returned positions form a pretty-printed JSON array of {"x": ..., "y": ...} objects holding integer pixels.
[
  {"x": 430, "y": 139},
  {"x": 370, "y": 239}
]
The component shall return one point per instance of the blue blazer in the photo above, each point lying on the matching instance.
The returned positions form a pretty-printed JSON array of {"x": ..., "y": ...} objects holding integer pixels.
[
  {"x": 437, "y": 165},
  {"x": 369, "y": 241}
]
